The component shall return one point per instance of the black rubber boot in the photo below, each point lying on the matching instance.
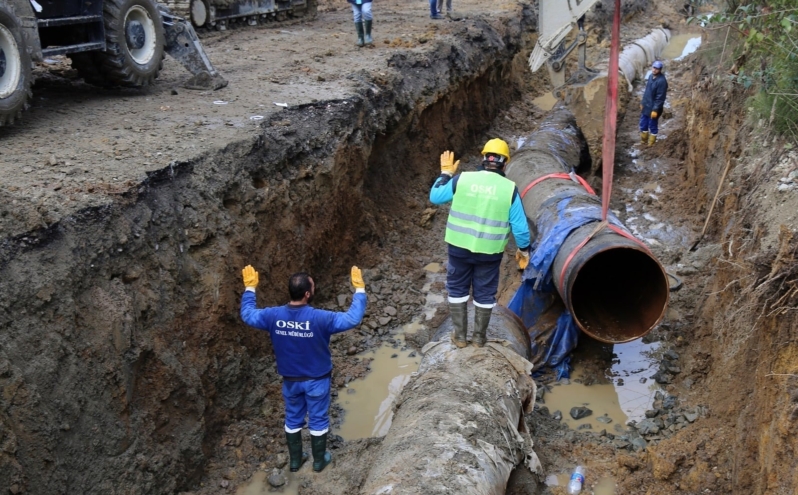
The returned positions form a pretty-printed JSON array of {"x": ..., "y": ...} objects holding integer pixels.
[
  {"x": 321, "y": 457},
  {"x": 367, "y": 25},
  {"x": 295, "y": 454},
  {"x": 459, "y": 314},
  {"x": 359, "y": 28},
  {"x": 481, "y": 320}
]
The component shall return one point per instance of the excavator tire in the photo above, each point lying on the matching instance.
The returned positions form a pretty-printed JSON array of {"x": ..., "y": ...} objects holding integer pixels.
[
  {"x": 15, "y": 67},
  {"x": 135, "y": 39}
]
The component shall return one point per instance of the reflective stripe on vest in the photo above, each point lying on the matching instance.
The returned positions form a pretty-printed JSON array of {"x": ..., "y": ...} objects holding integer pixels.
[{"x": 479, "y": 219}]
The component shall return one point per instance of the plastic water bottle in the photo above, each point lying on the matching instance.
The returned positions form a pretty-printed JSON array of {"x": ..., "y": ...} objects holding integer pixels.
[{"x": 577, "y": 480}]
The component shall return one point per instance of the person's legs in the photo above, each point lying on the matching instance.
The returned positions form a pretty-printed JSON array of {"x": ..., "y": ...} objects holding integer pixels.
[
  {"x": 318, "y": 399},
  {"x": 433, "y": 9},
  {"x": 458, "y": 284},
  {"x": 653, "y": 128},
  {"x": 295, "y": 410},
  {"x": 644, "y": 123},
  {"x": 357, "y": 13},
  {"x": 439, "y": 6},
  {"x": 486, "y": 284},
  {"x": 448, "y": 6},
  {"x": 367, "y": 22}
]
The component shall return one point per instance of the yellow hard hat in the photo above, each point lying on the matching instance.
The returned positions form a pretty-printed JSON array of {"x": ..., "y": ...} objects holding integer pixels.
[{"x": 498, "y": 147}]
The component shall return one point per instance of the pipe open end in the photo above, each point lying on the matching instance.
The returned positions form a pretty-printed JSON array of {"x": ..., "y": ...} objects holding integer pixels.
[{"x": 619, "y": 295}]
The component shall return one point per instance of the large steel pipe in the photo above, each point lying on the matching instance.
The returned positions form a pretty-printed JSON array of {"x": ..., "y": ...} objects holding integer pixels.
[
  {"x": 616, "y": 290},
  {"x": 458, "y": 426}
]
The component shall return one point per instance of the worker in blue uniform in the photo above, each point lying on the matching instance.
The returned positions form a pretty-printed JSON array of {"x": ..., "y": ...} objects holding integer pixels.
[
  {"x": 652, "y": 104},
  {"x": 301, "y": 340},
  {"x": 485, "y": 207}
]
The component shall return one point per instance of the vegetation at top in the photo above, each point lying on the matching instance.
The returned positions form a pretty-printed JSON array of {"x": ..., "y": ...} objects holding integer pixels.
[{"x": 765, "y": 38}]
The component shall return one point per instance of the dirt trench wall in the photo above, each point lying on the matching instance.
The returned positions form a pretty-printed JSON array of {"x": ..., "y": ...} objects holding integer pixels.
[
  {"x": 746, "y": 321},
  {"x": 121, "y": 350}
]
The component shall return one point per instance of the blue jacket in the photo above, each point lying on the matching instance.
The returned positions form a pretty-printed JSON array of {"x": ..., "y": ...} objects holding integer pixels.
[
  {"x": 443, "y": 192},
  {"x": 301, "y": 334},
  {"x": 654, "y": 96}
]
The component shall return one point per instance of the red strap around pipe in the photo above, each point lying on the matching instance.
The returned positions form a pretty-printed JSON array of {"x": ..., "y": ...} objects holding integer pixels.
[
  {"x": 610, "y": 115},
  {"x": 560, "y": 175},
  {"x": 590, "y": 236}
]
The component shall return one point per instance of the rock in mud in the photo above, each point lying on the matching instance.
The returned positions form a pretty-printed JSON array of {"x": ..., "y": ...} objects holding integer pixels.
[
  {"x": 277, "y": 478},
  {"x": 580, "y": 412},
  {"x": 647, "y": 427}
]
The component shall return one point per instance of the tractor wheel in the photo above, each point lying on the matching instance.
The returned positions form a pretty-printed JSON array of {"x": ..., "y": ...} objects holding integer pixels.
[
  {"x": 200, "y": 13},
  {"x": 15, "y": 68},
  {"x": 134, "y": 36}
]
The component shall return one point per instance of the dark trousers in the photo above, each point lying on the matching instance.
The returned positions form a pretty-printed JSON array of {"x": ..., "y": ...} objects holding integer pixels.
[
  {"x": 647, "y": 124},
  {"x": 477, "y": 271}
]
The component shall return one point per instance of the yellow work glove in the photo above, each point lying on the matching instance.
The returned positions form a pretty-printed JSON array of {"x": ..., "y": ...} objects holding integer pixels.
[
  {"x": 654, "y": 115},
  {"x": 357, "y": 278},
  {"x": 250, "y": 277},
  {"x": 448, "y": 165},
  {"x": 522, "y": 257}
]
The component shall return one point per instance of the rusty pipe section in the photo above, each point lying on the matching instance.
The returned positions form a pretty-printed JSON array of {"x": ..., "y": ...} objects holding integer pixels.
[
  {"x": 616, "y": 290},
  {"x": 504, "y": 325}
]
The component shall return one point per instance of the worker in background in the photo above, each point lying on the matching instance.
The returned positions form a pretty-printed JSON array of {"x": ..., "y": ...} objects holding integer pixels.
[
  {"x": 652, "y": 104},
  {"x": 361, "y": 9},
  {"x": 301, "y": 341},
  {"x": 485, "y": 207}
]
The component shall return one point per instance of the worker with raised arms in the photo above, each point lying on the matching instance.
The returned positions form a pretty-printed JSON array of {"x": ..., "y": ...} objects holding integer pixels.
[{"x": 486, "y": 206}]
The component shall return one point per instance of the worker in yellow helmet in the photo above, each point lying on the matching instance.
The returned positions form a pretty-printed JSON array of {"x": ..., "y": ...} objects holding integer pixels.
[{"x": 486, "y": 206}]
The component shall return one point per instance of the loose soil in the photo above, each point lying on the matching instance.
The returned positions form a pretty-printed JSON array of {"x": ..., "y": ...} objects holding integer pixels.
[{"x": 126, "y": 216}]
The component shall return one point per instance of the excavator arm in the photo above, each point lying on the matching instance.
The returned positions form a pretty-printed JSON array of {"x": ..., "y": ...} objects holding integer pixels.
[{"x": 556, "y": 19}]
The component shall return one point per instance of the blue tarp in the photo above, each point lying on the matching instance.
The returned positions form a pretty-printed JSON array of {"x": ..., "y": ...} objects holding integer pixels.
[{"x": 552, "y": 348}]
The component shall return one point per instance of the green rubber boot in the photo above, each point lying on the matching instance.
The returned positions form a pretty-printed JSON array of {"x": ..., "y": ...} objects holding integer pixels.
[
  {"x": 321, "y": 457},
  {"x": 644, "y": 137},
  {"x": 652, "y": 138},
  {"x": 295, "y": 454},
  {"x": 359, "y": 28},
  {"x": 367, "y": 24},
  {"x": 459, "y": 314},
  {"x": 481, "y": 320}
]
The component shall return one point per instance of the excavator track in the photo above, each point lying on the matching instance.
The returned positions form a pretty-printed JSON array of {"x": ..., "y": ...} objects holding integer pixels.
[{"x": 223, "y": 14}]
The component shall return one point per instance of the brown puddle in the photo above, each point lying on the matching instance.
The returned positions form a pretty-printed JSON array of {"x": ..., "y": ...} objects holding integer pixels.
[
  {"x": 368, "y": 401},
  {"x": 604, "y": 486},
  {"x": 676, "y": 46},
  {"x": 626, "y": 398},
  {"x": 258, "y": 485},
  {"x": 545, "y": 102}
]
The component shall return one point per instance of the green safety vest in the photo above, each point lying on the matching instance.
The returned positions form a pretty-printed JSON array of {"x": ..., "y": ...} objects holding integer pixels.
[{"x": 479, "y": 219}]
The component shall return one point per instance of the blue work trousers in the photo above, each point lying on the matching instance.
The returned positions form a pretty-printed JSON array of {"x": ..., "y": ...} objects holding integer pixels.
[
  {"x": 433, "y": 8},
  {"x": 466, "y": 272},
  {"x": 311, "y": 398},
  {"x": 361, "y": 12},
  {"x": 647, "y": 124}
]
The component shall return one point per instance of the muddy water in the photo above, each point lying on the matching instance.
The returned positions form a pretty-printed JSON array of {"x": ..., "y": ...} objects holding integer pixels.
[
  {"x": 258, "y": 485},
  {"x": 545, "y": 102},
  {"x": 604, "y": 486},
  {"x": 681, "y": 45},
  {"x": 626, "y": 398},
  {"x": 368, "y": 401}
]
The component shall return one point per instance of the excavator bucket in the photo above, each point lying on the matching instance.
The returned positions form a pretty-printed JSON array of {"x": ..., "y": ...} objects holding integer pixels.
[
  {"x": 555, "y": 21},
  {"x": 183, "y": 45}
]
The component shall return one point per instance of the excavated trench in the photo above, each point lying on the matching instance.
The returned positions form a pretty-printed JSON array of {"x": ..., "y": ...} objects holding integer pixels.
[
  {"x": 122, "y": 357},
  {"x": 124, "y": 367}
]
